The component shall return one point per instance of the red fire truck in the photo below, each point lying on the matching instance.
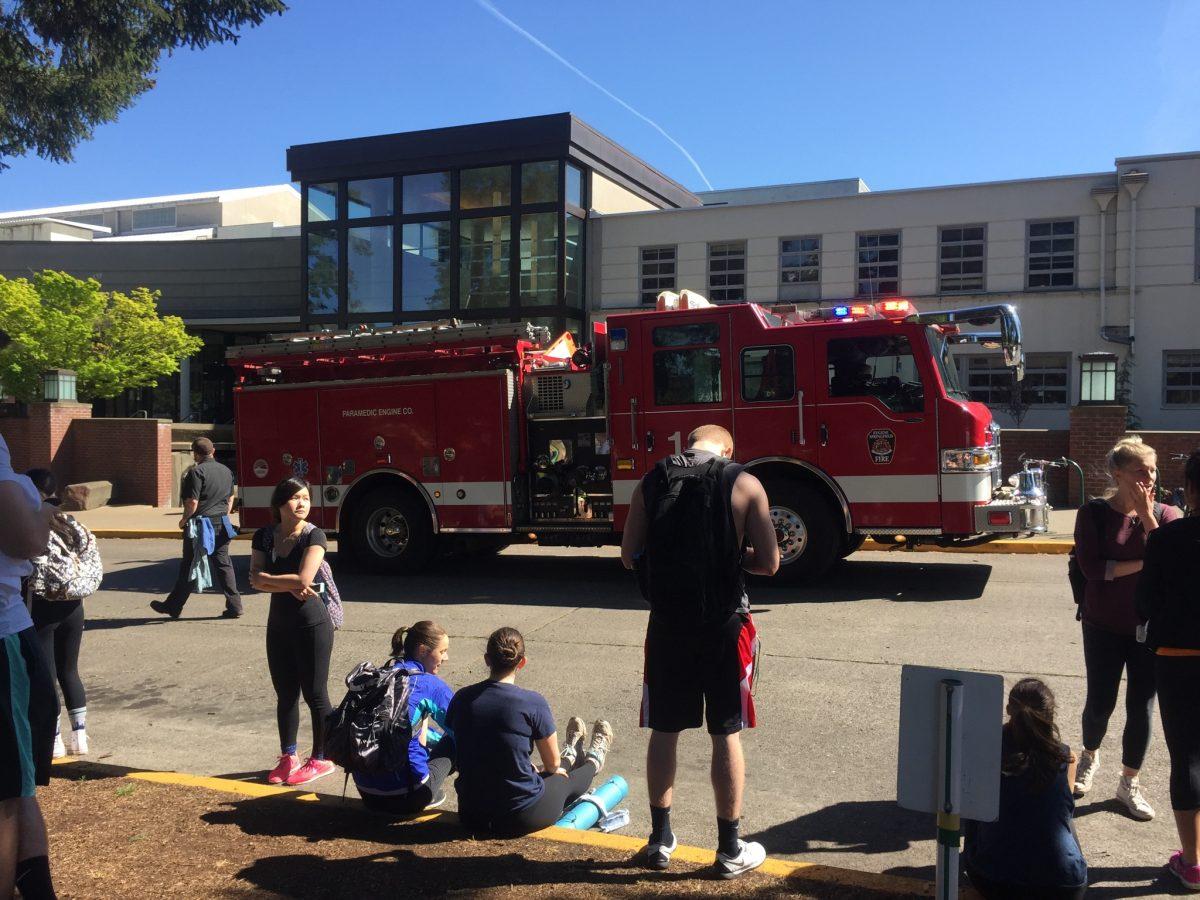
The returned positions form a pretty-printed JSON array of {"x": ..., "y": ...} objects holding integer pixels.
[{"x": 479, "y": 435}]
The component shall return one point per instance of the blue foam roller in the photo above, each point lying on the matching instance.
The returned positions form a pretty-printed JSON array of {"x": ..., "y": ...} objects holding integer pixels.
[{"x": 591, "y": 807}]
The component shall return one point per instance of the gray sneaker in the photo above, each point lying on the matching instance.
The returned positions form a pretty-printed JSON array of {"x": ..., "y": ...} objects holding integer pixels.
[
  {"x": 751, "y": 855},
  {"x": 574, "y": 739},
  {"x": 602, "y": 739},
  {"x": 1129, "y": 792},
  {"x": 1085, "y": 773}
]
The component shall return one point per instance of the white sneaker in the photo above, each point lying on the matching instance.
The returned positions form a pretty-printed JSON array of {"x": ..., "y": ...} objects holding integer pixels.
[
  {"x": 751, "y": 855},
  {"x": 77, "y": 742},
  {"x": 658, "y": 856},
  {"x": 1130, "y": 793},
  {"x": 60, "y": 749},
  {"x": 1085, "y": 774}
]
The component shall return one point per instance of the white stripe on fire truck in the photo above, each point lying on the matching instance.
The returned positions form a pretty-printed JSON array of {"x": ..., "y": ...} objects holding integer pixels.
[
  {"x": 966, "y": 487},
  {"x": 959, "y": 487},
  {"x": 475, "y": 493}
]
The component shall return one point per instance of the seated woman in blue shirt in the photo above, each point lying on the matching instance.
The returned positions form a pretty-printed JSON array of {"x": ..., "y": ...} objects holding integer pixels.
[
  {"x": 496, "y": 727},
  {"x": 1031, "y": 851},
  {"x": 420, "y": 651}
]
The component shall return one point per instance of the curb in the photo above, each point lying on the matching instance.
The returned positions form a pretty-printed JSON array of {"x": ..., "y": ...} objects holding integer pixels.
[
  {"x": 173, "y": 534},
  {"x": 862, "y": 882},
  {"x": 1051, "y": 546}
]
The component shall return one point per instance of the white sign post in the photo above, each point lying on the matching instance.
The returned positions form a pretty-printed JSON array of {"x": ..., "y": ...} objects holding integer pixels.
[{"x": 949, "y": 762}]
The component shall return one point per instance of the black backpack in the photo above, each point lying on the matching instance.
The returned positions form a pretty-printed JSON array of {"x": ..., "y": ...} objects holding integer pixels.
[
  {"x": 690, "y": 571},
  {"x": 1096, "y": 509},
  {"x": 370, "y": 730}
]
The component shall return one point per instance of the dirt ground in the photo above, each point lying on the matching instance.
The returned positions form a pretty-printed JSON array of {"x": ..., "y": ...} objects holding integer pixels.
[{"x": 117, "y": 837}]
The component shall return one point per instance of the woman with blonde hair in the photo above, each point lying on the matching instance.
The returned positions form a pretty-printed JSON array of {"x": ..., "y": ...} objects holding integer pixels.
[{"x": 1110, "y": 544}]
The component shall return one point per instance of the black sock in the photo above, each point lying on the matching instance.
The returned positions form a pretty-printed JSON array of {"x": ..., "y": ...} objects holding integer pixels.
[
  {"x": 727, "y": 836},
  {"x": 33, "y": 878},
  {"x": 660, "y": 825}
]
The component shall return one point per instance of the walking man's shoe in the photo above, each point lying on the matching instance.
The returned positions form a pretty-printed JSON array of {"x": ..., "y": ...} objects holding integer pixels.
[{"x": 160, "y": 606}]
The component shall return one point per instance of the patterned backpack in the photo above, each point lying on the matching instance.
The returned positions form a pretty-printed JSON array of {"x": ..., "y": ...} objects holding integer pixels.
[
  {"x": 71, "y": 568},
  {"x": 330, "y": 596}
]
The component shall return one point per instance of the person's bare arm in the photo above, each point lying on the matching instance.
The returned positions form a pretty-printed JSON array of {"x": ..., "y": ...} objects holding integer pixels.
[
  {"x": 633, "y": 539},
  {"x": 547, "y": 749},
  {"x": 298, "y": 584},
  {"x": 26, "y": 530},
  {"x": 229, "y": 503},
  {"x": 189, "y": 509},
  {"x": 750, "y": 499}
]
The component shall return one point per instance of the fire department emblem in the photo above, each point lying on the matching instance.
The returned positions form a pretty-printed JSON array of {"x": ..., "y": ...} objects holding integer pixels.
[
  {"x": 260, "y": 468},
  {"x": 881, "y": 442},
  {"x": 300, "y": 467}
]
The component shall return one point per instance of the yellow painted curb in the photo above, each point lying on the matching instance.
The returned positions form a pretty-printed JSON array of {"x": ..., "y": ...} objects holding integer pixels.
[
  {"x": 229, "y": 785},
  {"x": 158, "y": 533},
  {"x": 1029, "y": 545}
]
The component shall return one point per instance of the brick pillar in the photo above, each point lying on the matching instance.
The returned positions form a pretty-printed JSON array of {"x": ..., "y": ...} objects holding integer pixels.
[
  {"x": 1094, "y": 430},
  {"x": 48, "y": 444}
]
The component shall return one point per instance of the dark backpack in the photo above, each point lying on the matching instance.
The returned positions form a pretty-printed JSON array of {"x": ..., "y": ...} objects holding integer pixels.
[
  {"x": 1075, "y": 576},
  {"x": 370, "y": 730},
  {"x": 690, "y": 570}
]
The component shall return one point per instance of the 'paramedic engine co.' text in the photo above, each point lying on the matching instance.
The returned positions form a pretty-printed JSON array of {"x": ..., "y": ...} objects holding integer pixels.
[{"x": 395, "y": 411}]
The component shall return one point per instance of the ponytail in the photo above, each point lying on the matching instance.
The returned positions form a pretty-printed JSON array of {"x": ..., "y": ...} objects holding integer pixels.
[{"x": 409, "y": 638}]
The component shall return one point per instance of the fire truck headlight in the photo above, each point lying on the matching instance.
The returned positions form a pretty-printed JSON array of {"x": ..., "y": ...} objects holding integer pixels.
[{"x": 971, "y": 459}]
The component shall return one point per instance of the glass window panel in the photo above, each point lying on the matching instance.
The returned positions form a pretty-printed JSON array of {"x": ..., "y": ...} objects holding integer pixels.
[
  {"x": 768, "y": 374},
  {"x": 687, "y": 377},
  {"x": 574, "y": 261},
  {"x": 427, "y": 193},
  {"x": 1039, "y": 228},
  {"x": 484, "y": 188},
  {"x": 657, "y": 261},
  {"x": 974, "y": 233},
  {"x": 372, "y": 197},
  {"x": 539, "y": 182},
  {"x": 322, "y": 273},
  {"x": 789, "y": 246},
  {"x": 539, "y": 259},
  {"x": 683, "y": 335},
  {"x": 159, "y": 217},
  {"x": 484, "y": 253},
  {"x": 810, "y": 243},
  {"x": 1067, "y": 227},
  {"x": 425, "y": 271},
  {"x": 951, "y": 234},
  {"x": 322, "y": 202},
  {"x": 369, "y": 269},
  {"x": 574, "y": 185},
  {"x": 882, "y": 367}
]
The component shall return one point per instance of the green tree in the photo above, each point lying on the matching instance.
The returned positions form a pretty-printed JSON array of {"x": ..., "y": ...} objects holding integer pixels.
[
  {"x": 113, "y": 341},
  {"x": 67, "y": 67}
]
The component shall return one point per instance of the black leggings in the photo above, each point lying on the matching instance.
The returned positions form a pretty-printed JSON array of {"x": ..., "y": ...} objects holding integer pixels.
[
  {"x": 298, "y": 657},
  {"x": 1179, "y": 706},
  {"x": 59, "y": 626},
  {"x": 1106, "y": 656},
  {"x": 418, "y": 798},
  {"x": 558, "y": 794}
]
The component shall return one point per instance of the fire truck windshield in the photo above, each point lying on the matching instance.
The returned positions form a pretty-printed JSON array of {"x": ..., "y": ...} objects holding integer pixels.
[{"x": 940, "y": 345}]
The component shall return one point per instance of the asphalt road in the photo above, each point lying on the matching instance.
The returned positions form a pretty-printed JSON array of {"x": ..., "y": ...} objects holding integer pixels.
[{"x": 194, "y": 694}]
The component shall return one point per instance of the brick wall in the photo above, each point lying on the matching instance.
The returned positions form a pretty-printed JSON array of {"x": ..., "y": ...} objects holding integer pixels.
[
  {"x": 1041, "y": 443},
  {"x": 1168, "y": 444},
  {"x": 1094, "y": 430}
]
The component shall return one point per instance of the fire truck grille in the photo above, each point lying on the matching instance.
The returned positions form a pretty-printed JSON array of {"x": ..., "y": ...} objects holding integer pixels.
[{"x": 550, "y": 394}]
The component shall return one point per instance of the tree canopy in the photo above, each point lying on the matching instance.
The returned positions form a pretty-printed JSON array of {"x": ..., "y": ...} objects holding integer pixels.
[
  {"x": 113, "y": 341},
  {"x": 67, "y": 67}
]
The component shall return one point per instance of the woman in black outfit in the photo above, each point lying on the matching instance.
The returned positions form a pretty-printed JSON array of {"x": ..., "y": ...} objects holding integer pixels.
[
  {"x": 59, "y": 626},
  {"x": 1168, "y": 599},
  {"x": 284, "y": 560}
]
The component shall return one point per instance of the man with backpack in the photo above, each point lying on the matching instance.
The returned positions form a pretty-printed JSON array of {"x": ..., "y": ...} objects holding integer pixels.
[{"x": 686, "y": 535}]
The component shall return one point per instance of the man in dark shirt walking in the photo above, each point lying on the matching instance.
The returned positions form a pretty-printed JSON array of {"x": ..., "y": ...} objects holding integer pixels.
[{"x": 207, "y": 494}]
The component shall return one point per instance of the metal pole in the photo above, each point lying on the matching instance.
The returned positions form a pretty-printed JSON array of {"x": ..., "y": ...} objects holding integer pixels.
[{"x": 950, "y": 707}]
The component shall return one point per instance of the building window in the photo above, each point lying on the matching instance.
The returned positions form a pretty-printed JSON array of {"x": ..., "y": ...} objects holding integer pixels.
[
  {"x": 1046, "y": 378},
  {"x": 484, "y": 254},
  {"x": 1198, "y": 244},
  {"x": 1181, "y": 378},
  {"x": 574, "y": 261},
  {"x": 425, "y": 267},
  {"x": 989, "y": 380},
  {"x": 162, "y": 217},
  {"x": 960, "y": 258},
  {"x": 768, "y": 373},
  {"x": 368, "y": 198},
  {"x": 322, "y": 202},
  {"x": 658, "y": 272},
  {"x": 1051, "y": 254},
  {"x": 800, "y": 268},
  {"x": 727, "y": 272},
  {"x": 1098, "y": 378},
  {"x": 879, "y": 264},
  {"x": 427, "y": 193},
  {"x": 574, "y": 186},
  {"x": 369, "y": 269},
  {"x": 539, "y": 259},
  {"x": 539, "y": 182},
  {"x": 94, "y": 219},
  {"x": 322, "y": 272},
  {"x": 485, "y": 188}
]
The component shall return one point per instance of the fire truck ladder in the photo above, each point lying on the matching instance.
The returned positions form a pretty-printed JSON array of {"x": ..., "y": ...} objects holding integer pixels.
[{"x": 443, "y": 331}]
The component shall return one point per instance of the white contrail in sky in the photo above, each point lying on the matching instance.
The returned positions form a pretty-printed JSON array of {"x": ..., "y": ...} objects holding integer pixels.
[{"x": 533, "y": 40}]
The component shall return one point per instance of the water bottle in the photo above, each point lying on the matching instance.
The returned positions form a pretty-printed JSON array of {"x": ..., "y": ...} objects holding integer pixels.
[{"x": 618, "y": 818}]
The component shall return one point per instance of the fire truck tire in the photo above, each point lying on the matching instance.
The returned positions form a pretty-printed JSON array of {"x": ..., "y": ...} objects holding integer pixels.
[
  {"x": 809, "y": 538},
  {"x": 852, "y": 543},
  {"x": 391, "y": 532}
]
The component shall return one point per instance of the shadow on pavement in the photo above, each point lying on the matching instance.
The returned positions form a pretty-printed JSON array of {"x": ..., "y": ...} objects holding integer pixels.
[
  {"x": 910, "y": 581},
  {"x": 1131, "y": 881},
  {"x": 855, "y": 826}
]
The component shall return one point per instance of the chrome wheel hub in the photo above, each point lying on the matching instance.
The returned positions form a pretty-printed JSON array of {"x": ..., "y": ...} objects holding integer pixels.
[
  {"x": 387, "y": 532},
  {"x": 790, "y": 533}
]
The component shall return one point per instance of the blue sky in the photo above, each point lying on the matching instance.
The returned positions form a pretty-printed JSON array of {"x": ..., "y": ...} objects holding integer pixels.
[{"x": 758, "y": 92}]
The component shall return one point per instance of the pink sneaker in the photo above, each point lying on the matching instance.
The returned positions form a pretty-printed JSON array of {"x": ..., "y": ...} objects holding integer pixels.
[
  {"x": 284, "y": 769},
  {"x": 311, "y": 771},
  {"x": 1189, "y": 875}
]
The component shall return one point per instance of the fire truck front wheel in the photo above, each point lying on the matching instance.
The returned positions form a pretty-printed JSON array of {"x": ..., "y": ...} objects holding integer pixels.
[
  {"x": 809, "y": 538},
  {"x": 392, "y": 532}
]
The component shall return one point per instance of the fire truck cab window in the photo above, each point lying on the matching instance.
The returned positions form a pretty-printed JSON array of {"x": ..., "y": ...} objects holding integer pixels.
[
  {"x": 882, "y": 367},
  {"x": 768, "y": 373},
  {"x": 687, "y": 377},
  {"x": 684, "y": 335}
]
